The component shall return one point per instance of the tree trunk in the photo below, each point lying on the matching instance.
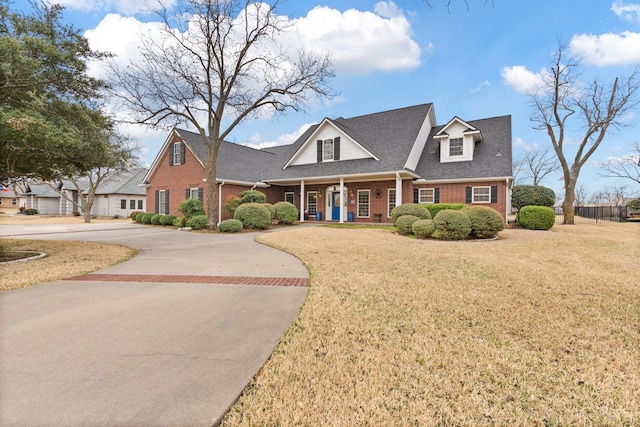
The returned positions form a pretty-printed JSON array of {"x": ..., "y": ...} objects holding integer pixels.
[
  {"x": 212, "y": 186},
  {"x": 87, "y": 204},
  {"x": 568, "y": 209}
]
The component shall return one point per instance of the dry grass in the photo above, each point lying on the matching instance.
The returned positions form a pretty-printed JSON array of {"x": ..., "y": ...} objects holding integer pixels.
[
  {"x": 53, "y": 219},
  {"x": 64, "y": 260},
  {"x": 536, "y": 328}
]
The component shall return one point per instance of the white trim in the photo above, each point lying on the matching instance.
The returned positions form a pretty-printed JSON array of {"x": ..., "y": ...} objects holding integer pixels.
[
  {"x": 421, "y": 140},
  {"x": 459, "y": 180},
  {"x": 473, "y": 194},
  {"x": 293, "y": 196},
  {"x": 433, "y": 195},
  {"x": 380, "y": 176},
  {"x": 395, "y": 192},
  {"x": 368, "y": 203}
]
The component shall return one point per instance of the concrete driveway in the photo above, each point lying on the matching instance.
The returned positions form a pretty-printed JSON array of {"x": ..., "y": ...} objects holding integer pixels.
[{"x": 161, "y": 340}]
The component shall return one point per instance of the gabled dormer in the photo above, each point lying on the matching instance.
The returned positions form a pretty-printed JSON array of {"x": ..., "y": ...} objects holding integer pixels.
[
  {"x": 329, "y": 142},
  {"x": 457, "y": 141}
]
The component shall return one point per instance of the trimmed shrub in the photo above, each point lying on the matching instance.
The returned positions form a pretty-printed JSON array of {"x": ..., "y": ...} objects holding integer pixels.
[
  {"x": 133, "y": 214},
  {"x": 155, "y": 220},
  {"x": 230, "y": 226},
  {"x": 232, "y": 203},
  {"x": 486, "y": 222},
  {"x": 198, "y": 222},
  {"x": 286, "y": 212},
  {"x": 423, "y": 228},
  {"x": 434, "y": 208},
  {"x": 180, "y": 222},
  {"x": 167, "y": 219},
  {"x": 253, "y": 215},
  {"x": 271, "y": 208},
  {"x": 404, "y": 224},
  {"x": 253, "y": 196},
  {"x": 190, "y": 208},
  {"x": 30, "y": 211},
  {"x": 138, "y": 217},
  {"x": 532, "y": 195},
  {"x": 146, "y": 218},
  {"x": 536, "y": 217},
  {"x": 451, "y": 225},
  {"x": 414, "y": 209}
]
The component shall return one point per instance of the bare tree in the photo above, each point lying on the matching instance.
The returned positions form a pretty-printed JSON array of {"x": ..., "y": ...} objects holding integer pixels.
[
  {"x": 627, "y": 167},
  {"x": 581, "y": 195},
  {"x": 538, "y": 164},
  {"x": 215, "y": 64},
  {"x": 599, "y": 107}
]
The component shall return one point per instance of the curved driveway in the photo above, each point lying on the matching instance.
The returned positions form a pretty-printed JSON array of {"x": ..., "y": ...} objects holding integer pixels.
[{"x": 116, "y": 349}]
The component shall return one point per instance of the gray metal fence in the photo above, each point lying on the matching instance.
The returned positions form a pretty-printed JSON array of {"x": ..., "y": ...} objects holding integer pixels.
[{"x": 584, "y": 214}]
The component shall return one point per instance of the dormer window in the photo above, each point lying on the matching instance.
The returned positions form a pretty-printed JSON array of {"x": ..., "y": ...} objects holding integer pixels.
[
  {"x": 176, "y": 153},
  {"x": 327, "y": 150},
  {"x": 456, "y": 147}
]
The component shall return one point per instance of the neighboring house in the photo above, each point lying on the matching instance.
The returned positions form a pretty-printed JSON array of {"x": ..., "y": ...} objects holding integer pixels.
[
  {"x": 355, "y": 169},
  {"x": 8, "y": 200},
  {"x": 42, "y": 198}
]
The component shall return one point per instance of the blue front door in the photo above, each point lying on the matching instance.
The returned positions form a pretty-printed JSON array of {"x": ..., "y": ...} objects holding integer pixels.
[{"x": 335, "y": 206}]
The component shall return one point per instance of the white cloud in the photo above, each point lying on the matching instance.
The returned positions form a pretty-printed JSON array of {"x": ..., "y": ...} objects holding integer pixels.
[
  {"x": 524, "y": 146},
  {"x": 523, "y": 80},
  {"x": 629, "y": 12},
  {"x": 126, "y": 7},
  {"x": 288, "y": 138},
  {"x": 480, "y": 87},
  {"x": 607, "y": 49}
]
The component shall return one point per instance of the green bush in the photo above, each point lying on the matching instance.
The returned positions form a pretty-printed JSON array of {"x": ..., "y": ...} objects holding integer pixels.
[
  {"x": 532, "y": 195},
  {"x": 634, "y": 205},
  {"x": 30, "y": 211},
  {"x": 232, "y": 203},
  {"x": 451, "y": 225},
  {"x": 146, "y": 218},
  {"x": 138, "y": 217},
  {"x": 167, "y": 219},
  {"x": 286, "y": 213},
  {"x": 423, "y": 228},
  {"x": 180, "y": 222},
  {"x": 191, "y": 207},
  {"x": 404, "y": 223},
  {"x": 253, "y": 196},
  {"x": 198, "y": 222},
  {"x": 230, "y": 226},
  {"x": 414, "y": 209},
  {"x": 253, "y": 215},
  {"x": 155, "y": 220},
  {"x": 536, "y": 217},
  {"x": 133, "y": 214},
  {"x": 434, "y": 208},
  {"x": 486, "y": 222},
  {"x": 271, "y": 208}
]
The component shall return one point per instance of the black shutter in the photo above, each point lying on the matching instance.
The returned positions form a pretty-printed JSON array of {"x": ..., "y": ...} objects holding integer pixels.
[
  {"x": 436, "y": 195},
  {"x": 469, "y": 195},
  {"x": 336, "y": 148},
  {"x": 416, "y": 197},
  {"x": 182, "y": 158},
  {"x": 494, "y": 194},
  {"x": 171, "y": 154},
  {"x": 187, "y": 193},
  {"x": 319, "y": 151},
  {"x": 201, "y": 194},
  {"x": 157, "y": 202},
  {"x": 167, "y": 199}
]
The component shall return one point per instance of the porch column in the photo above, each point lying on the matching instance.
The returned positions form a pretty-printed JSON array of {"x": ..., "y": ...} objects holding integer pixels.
[
  {"x": 302, "y": 201},
  {"x": 341, "y": 200},
  {"x": 398, "y": 190}
]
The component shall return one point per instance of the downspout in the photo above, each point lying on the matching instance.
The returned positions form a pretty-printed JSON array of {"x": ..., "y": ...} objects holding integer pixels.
[
  {"x": 302, "y": 201},
  {"x": 220, "y": 202}
]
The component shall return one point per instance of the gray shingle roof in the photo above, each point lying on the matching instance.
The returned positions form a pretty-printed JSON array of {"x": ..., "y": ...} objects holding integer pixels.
[{"x": 124, "y": 183}]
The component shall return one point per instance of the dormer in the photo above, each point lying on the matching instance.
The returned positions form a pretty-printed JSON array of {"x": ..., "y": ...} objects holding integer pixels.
[
  {"x": 329, "y": 143},
  {"x": 457, "y": 141}
]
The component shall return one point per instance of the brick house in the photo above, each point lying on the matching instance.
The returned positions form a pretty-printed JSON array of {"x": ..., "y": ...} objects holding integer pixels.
[{"x": 355, "y": 169}]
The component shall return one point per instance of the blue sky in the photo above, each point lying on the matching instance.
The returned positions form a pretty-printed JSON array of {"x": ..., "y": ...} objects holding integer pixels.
[{"x": 472, "y": 63}]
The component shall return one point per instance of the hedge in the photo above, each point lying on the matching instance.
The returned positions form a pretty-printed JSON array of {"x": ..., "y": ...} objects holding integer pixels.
[
  {"x": 155, "y": 219},
  {"x": 434, "y": 208},
  {"x": 167, "y": 219},
  {"x": 146, "y": 218},
  {"x": 536, "y": 217},
  {"x": 451, "y": 225}
]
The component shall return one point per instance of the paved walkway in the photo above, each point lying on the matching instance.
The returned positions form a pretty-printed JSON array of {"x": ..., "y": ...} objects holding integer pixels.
[{"x": 170, "y": 338}]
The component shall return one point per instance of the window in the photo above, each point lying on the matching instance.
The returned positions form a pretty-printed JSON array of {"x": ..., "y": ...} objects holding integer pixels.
[
  {"x": 123, "y": 204},
  {"x": 193, "y": 193},
  {"x": 455, "y": 147},
  {"x": 327, "y": 150},
  {"x": 140, "y": 205},
  {"x": 363, "y": 203},
  {"x": 132, "y": 204},
  {"x": 163, "y": 207},
  {"x": 177, "y": 153},
  {"x": 481, "y": 195},
  {"x": 288, "y": 197},
  {"x": 312, "y": 202},
  {"x": 14, "y": 202},
  {"x": 391, "y": 201},
  {"x": 426, "y": 195}
]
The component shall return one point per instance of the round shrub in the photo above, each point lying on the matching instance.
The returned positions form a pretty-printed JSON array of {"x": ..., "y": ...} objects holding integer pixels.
[
  {"x": 485, "y": 221},
  {"x": 167, "y": 219},
  {"x": 271, "y": 208},
  {"x": 253, "y": 215},
  {"x": 146, "y": 218},
  {"x": 133, "y": 214},
  {"x": 404, "y": 224},
  {"x": 414, "y": 209},
  {"x": 230, "y": 226},
  {"x": 155, "y": 219},
  {"x": 286, "y": 213},
  {"x": 528, "y": 195},
  {"x": 434, "y": 208},
  {"x": 180, "y": 222},
  {"x": 423, "y": 228},
  {"x": 451, "y": 225},
  {"x": 198, "y": 222},
  {"x": 536, "y": 217},
  {"x": 253, "y": 196},
  {"x": 138, "y": 217},
  {"x": 191, "y": 207}
]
